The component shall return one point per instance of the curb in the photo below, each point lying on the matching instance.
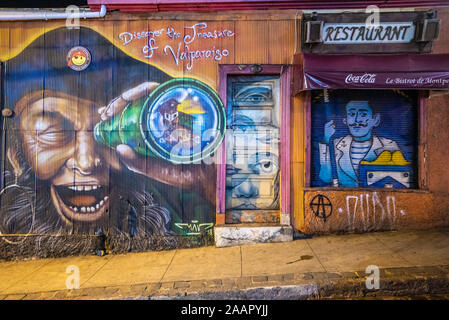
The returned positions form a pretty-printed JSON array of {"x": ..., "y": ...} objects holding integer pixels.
[{"x": 394, "y": 282}]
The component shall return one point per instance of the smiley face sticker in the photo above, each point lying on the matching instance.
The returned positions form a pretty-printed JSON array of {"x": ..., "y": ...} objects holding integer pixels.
[{"x": 78, "y": 58}]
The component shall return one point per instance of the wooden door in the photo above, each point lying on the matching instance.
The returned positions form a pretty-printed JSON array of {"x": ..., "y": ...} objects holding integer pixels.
[{"x": 252, "y": 142}]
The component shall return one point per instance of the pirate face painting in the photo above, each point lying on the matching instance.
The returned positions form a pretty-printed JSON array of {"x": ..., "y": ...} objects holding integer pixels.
[
  {"x": 60, "y": 94},
  {"x": 60, "y": 147}
]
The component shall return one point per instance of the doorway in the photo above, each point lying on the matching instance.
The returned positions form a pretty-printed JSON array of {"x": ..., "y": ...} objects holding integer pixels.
[{"x": 253, "y": 142}]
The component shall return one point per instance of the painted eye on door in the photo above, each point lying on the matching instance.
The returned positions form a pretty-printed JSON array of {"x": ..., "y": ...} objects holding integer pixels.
[{"x": 264, "y": 164}]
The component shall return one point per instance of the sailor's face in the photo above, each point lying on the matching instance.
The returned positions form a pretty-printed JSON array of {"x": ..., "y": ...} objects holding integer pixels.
[
  {"x": 359, "y": 118},
  {"x": 60, "y": 148}
]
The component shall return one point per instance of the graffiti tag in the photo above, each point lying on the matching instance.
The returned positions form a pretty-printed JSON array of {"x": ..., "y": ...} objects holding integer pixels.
[
  {"x": 371, "y": 210},
  {"x": 195, "y": 228},
  {"x": 321, "y": 206}
]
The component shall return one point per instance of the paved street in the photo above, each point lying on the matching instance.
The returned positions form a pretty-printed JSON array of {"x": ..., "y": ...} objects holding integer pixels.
[{"x": 412, "y": 264}]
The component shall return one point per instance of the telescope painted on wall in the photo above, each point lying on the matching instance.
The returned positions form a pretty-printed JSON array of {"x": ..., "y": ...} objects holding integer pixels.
[{"x": 182, "y": 121}]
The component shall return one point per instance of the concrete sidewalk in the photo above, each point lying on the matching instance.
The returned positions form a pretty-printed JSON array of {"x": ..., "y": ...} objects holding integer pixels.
[{"x": 411, "y": 263}]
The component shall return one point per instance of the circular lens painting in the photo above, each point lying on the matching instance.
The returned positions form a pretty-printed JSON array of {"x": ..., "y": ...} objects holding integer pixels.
[{"x": 185, "y": 120}]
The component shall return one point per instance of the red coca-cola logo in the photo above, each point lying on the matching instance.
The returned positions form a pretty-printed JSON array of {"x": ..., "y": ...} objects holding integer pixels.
[{"x": 364, "y": 78}]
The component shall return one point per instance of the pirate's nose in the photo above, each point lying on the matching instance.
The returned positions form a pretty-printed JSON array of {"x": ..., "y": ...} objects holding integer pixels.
[{"x": 85, "y": 157}]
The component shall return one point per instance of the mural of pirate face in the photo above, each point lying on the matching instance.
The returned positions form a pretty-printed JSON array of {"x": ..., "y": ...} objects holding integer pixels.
[
  {"x": 78, "y": 183},
  {"x": 61, "y": 150}
]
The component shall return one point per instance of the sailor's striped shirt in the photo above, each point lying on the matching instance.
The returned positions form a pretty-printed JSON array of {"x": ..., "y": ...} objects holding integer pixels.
[{"x": 358, "y": 152}]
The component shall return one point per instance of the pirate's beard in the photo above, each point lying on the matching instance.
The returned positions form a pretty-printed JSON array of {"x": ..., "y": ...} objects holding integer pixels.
[{"x": 16, "y": 215}]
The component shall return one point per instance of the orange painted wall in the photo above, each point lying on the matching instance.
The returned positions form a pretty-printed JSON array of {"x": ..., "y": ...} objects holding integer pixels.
[{"x": 271, "y": 37}]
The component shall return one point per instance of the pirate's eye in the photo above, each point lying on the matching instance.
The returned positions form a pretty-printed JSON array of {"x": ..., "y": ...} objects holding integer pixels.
[
  {"x": 57, "y": 138},
  {"x": 52, "y": 129}
]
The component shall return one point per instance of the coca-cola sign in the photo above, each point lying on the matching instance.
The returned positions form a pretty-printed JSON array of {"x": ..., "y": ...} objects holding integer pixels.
[
  {"x": 378, "y": 80},
  {"x": 364, "y": 78}
]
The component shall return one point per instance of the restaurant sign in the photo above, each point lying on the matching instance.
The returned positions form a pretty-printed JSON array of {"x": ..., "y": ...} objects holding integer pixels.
[
  {"x": 389, "y": 32},
  {"x": 356, "y": 32}
]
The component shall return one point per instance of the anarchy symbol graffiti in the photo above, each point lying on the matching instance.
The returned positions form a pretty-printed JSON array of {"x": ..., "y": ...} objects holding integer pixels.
[{"x": 321, "y": 206}]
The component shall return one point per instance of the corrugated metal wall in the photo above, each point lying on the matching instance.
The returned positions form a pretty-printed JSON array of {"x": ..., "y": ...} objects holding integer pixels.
[
  {"x": 363, "y": 138},
  {"x": 77, "y": 183}
]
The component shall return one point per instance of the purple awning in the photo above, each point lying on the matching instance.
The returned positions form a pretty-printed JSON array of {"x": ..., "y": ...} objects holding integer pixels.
[{"x": 406, "y": 71}]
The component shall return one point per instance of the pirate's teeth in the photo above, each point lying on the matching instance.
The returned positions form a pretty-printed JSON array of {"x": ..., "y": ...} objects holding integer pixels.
[
  {"x": 106, "y": 198},
  {"x": 83, "y": 187},
  {"x": 101, "y": 202},
  {"x": 85, "y": 209}
]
